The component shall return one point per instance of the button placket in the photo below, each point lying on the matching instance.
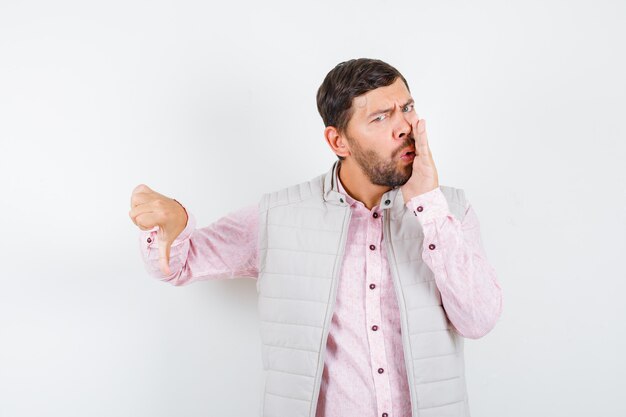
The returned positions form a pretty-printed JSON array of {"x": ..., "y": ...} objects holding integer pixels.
[
  {"x": 373, "y": 314},
  {"x": 367, "y": 225}
]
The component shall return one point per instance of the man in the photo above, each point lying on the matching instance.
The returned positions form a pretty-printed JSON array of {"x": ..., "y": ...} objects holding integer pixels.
[{"x": 369, "y": 276}]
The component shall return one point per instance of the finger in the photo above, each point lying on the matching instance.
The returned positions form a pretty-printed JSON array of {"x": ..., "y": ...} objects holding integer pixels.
[
  {"x": 141, "y": 209},
  {"x": 141, "y": 188},
  {"x": 143, "y": 194},
  {"x": 421, "y": 142},
  {"x": 425, "y": 137},
  {"x": 144, "y": 217},
  {"x": 414, "y": 123},
  {"x": 164, "y": 256},
  {"x": 412, "y": 118},
  {"x": 421, "y": 129},
  {"x": 138, "y": 199}
]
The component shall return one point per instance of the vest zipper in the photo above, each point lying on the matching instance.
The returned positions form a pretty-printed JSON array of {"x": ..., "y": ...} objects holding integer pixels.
[{"x": 331, "y": 309}]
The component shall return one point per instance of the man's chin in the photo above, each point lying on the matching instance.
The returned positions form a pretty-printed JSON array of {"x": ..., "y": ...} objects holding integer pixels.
[{"x": 398, "y": 180}]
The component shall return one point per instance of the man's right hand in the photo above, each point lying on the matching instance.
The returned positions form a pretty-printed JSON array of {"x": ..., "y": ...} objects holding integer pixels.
[{"x": 150, "y": 209}]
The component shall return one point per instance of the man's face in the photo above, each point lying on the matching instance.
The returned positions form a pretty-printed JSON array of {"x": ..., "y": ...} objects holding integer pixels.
[{"x": 379, "y": 134}]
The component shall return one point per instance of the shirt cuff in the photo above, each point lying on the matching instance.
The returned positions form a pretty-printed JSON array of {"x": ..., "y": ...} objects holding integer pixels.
[
  {"x": 149, "y": 237},
  {"x": 429, "y": 206}
]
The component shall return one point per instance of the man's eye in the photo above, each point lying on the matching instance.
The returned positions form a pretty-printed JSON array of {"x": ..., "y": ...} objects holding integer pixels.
[
  {"x": 378, "y": 119},
  {"x": 411, "y": 107}
]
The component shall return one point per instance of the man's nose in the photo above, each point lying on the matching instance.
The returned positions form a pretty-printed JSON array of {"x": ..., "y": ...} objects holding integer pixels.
[{"x": 403, "y": 126}]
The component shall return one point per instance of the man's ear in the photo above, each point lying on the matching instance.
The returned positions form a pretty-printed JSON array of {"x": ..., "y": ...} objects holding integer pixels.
[{"x": 337, "y": 142}]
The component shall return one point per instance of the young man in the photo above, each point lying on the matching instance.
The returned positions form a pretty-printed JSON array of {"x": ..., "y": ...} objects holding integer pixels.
[{"x": 369, "y": 276}]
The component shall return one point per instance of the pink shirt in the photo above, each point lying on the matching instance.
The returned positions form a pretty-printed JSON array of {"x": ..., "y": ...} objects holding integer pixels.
[{"x": 364, "y": 371}]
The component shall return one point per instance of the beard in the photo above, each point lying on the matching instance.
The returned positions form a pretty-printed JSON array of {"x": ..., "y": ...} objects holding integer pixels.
[{"x": 382, "y": 171}]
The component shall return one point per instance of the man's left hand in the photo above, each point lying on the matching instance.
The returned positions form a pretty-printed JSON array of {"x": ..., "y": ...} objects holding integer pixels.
[{"x": 424, "y": 177}]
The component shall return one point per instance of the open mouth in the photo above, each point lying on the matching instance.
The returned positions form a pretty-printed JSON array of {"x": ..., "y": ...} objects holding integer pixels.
[{"x": 407, "y": 156}]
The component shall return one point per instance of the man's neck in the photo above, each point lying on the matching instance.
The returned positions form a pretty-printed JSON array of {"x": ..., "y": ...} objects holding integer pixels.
[{"x": 358, "y": 185}]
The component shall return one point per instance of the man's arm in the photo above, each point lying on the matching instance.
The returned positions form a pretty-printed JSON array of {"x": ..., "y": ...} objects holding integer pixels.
[
  {"x": 453, "y": 249},
  {"x": 225, "y": 249}
]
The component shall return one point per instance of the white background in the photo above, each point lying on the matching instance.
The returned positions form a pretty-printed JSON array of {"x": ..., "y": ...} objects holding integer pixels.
[{"x": 214, "y": 104}]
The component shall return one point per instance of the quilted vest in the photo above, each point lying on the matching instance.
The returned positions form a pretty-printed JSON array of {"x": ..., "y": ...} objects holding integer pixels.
[{"x": 302, "y": 235}]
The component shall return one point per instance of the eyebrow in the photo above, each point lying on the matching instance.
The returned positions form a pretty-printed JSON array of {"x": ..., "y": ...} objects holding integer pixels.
[{"x": 411, "y": 101}]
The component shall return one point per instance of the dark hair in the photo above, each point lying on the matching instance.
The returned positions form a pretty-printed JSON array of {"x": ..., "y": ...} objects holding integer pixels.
[{"x": 350, "y": 79}]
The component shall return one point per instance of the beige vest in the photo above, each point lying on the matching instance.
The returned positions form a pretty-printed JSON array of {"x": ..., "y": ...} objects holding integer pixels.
[{"x": 302, "y": 235}]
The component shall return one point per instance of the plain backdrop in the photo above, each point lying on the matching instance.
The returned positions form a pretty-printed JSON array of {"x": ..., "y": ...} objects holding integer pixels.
[{"x": 214, "y": 104}]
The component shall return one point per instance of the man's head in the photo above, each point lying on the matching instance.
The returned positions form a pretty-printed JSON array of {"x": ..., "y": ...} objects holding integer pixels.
[{"x": 367, "y": 109}]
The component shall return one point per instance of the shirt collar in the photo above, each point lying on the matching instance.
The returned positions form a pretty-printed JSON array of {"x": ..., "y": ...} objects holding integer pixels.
[{"x": 391, "y": 199}]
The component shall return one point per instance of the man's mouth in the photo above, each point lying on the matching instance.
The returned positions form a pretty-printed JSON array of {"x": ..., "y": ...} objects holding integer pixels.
[
  {"x": 407, "y": 156},
  {"x": 410, "y": 152}
]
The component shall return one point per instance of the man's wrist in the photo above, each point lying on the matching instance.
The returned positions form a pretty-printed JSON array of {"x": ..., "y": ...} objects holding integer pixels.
[
  {"x": 410, "y": 193},
  {"x": 429, "y": 205},
  {"x": 186, "y": 214}
]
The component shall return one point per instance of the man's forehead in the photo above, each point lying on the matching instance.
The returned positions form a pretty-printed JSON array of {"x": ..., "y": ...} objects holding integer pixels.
[
  {"x": 360, "y": 101},
  {"x": 367, "y": 102},
  {"x": 381, "y": 96}
]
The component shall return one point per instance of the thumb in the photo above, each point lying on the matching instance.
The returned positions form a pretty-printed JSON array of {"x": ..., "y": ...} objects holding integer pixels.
[
  {"x": 164, "y": 253},
  {"x": 414, "y": 126}
]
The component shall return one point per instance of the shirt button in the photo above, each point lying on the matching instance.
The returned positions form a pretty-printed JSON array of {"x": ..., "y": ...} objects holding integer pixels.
[
  {"x": 149, "y": 240},
  {"x": 372, "y": 286},
  {"x": 372, "y": 247},
  {"x": 385, "y": 415},
  {"x": 387, "y": 202},
  {"x": 375, "y": 215},
  {"x": 420, "y": 208},
  {"x": 381, "y": 370},
  {"x": 374, "y": 327},
  {"x": 431, "y": 246}
]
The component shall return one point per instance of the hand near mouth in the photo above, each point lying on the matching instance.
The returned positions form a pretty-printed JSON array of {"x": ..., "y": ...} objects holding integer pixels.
[{"x": 424, "y": 177}]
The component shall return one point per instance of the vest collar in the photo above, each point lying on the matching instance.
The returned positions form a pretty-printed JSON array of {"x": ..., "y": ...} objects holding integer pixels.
[
  {"x": 331, "y": 191},
  {"x": 391, "y": 200}
]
